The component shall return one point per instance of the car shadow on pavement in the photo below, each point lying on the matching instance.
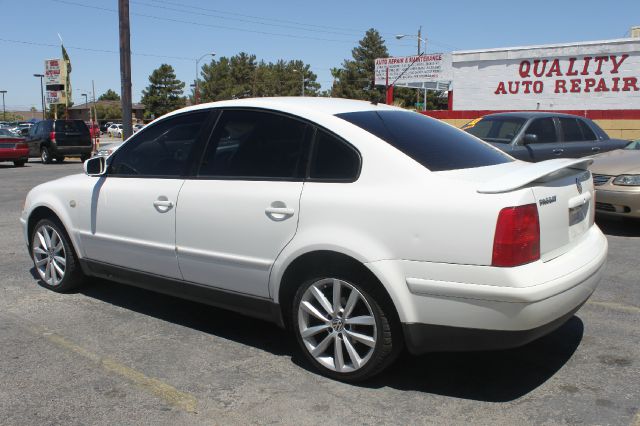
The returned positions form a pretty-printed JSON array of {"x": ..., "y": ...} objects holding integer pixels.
[
  {"x": 492, "y": 376},
  {"x": 207, "y": 319},
  {"x": 619, "y": 227}
]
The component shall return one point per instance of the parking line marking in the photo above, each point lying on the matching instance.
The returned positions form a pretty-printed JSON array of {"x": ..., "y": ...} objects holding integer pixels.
[
  {"x": 171, "y": 395},
  {"x": 616, "y": 306}
]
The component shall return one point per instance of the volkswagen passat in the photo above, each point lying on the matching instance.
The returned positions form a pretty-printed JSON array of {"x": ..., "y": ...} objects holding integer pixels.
[{"x": 362, "y": 228}]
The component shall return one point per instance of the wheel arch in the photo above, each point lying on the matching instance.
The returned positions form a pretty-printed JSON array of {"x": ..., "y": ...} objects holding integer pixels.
[
  {"x": 44, "y": 211},
  {"x": 304, "y": 265}
]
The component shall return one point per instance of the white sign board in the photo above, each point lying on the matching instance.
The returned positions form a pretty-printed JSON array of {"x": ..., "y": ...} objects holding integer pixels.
[
  {"x": 56, "y": 97},
  {"x": 586, "y": 76},
  {"x": 55, "y": 71},
  {"x": 432, "y": 67}
]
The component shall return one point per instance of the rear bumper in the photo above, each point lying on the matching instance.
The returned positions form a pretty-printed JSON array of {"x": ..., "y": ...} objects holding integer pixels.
[
  {"x": 12, "y": 154},
  {"x": 71, "y": 151},
  {"x": 465, "y": 307}
]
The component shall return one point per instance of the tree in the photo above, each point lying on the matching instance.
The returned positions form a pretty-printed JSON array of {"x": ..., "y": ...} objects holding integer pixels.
[
  {"x": 109, "y": 95},
  {"x": 240, "y": 76},
  {"x": 356, "y": 78},
  {"x": 108, "y": 111},
  {"x": 164, "y": 93},
  {"x": 33, "y": 109}
]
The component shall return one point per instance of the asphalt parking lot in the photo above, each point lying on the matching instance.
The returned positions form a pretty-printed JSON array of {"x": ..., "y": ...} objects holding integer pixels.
[{"x": 112, "y": 354}]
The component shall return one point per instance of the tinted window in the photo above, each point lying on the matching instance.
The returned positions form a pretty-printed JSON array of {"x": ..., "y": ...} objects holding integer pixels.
[
  {"x": 586, "y": 131},
  {"x": 333, "y": 159},
  {"x": 570, "y": 130},
  {"x": 497, "y": 129},
  {"x": 544, "y": 129},
  {"x": 162, "y": 149},
  {"x": 432, "y": 143},
  {"x": 255, "y": 144},
  {"x": 71, "y": 126}
]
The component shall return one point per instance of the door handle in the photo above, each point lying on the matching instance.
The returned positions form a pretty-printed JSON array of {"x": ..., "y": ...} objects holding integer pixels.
[
  {"x": 162, "y": 204},
  {"x": 279, "y": 211},
  {"x": 595, "y": 148},
  {"x": 558, "y": 151}
]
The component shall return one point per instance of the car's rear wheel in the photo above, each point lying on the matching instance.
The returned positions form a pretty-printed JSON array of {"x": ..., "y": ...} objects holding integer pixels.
[
  {"x": 84, "y": 157},
  {"x": 45, "y": 156},
  {"x": 342, "y": 329},
  {"x": 20, "y": 163},
  {"x": 53, "y": 256}
]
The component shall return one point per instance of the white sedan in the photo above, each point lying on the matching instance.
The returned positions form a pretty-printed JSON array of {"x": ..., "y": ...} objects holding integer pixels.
[
  {"x": 115, "y": 131},
  {"x": 362, "y": 228}
]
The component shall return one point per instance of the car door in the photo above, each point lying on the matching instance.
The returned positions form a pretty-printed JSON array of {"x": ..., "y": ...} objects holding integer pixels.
[
  {"x": 574, "y": 142},
  {"x": 133, "y": 208},
  {"x": 35, "y": 138},
  {"x": 546, "y": 142},
  {"x": 241, "y": 209}
]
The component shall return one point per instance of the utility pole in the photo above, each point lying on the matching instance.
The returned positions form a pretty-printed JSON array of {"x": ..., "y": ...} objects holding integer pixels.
[
  {"x": 125, "y": 67},
  {"x": 44, "y": 109},
  {"x": 4, "y": 111},
  {"x": 418, "y": 91}
]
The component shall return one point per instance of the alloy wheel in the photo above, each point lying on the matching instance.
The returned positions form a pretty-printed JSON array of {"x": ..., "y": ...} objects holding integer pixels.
[
  {"x": 337, "y": 325},
  {"x": 49, "y": 255}
]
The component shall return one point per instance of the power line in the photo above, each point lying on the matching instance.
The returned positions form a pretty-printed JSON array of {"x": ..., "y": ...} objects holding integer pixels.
[
  {"x": 251, "y": 21},
  {"x": 224, "y": 27}
]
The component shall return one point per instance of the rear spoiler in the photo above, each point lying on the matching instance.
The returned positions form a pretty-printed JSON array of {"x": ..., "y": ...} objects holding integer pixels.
[{"x": 530, "y": 172}]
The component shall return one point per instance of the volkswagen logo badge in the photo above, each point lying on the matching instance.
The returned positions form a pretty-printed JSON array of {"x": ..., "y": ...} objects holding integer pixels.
[{"x": 579, "y": 186}]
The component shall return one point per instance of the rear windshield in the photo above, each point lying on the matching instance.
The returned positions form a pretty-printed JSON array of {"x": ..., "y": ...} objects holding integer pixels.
[
  {"x": 430, "y": 142},
  {"x": 497, "y": 129},
  {"x": 71, "y": 126}
]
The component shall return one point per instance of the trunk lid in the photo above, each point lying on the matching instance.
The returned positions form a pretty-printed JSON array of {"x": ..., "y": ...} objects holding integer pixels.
[{"x": 562, "y": 189}]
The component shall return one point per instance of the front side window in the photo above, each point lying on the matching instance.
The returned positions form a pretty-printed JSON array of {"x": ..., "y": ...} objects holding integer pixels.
[
  {"x": 432, "y": 143},
  {"x": 162, "y": 149},
  {"x": 255, "y": 144},
  {"x": 544, "y": 129}
]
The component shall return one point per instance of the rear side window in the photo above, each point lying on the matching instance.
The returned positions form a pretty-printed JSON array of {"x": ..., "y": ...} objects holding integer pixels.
[
  {"x": 255, "y": 144},
  {"x": 571, "y": 130},
  {"x": 333, "y": 159},
  {"x": 71, "y": 126},
  {"x": 586, "y": 131},
  {"x": 544, "y": 129},
  {"x": 430, "y": 142}
]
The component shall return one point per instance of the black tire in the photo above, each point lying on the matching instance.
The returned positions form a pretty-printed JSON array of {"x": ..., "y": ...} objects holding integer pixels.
[
  {"x": 45, "y": 155},
  {"x": 84, "y": 157},
  {"x": 20, "y": 163},
  {"x": 72, "y": 276},
  {"x": 388, "y": 342}
]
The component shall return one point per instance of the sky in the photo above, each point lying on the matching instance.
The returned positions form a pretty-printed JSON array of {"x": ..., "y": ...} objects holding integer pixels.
[{"x": 320, "y": 33}]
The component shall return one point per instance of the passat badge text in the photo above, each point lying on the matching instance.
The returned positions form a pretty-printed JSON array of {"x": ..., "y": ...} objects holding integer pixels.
[{"x": 547, "y": 200}]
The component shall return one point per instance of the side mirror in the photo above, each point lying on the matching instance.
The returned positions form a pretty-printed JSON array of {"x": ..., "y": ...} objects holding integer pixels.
[
  {"x": 530, "y": 138},
  {"x": 95, "y": 166}
]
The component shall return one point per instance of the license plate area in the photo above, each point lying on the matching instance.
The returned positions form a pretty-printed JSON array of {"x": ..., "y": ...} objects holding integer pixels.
[{"x": 578, "y": 220}]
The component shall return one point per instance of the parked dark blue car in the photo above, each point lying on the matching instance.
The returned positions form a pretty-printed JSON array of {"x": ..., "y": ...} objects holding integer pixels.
[{"x": 537, "y": 136}]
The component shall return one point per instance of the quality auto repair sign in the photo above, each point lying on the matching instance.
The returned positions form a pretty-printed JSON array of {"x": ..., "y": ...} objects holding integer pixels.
[{"x": 586, "y": 78}]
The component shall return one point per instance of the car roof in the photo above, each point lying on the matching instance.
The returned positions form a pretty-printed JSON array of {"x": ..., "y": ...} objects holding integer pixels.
[
  {"x": 298, "y": 105},
  {"x": 530, "y": 114}
]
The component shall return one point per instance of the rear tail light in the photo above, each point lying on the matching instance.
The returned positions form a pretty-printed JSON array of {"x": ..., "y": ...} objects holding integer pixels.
[
  {"x": 517, "y": 237},
  {"x": 52, "y": 136}
]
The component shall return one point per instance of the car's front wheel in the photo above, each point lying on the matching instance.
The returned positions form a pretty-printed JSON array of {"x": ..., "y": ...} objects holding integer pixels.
[
  {"x": 53, "y": 256},
  {"x": 343, "y": 330}
]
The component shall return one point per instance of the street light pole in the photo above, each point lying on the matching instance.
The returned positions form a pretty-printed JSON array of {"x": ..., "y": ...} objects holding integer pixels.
[
  {"x": 420, "y": 39},
  {"x": 44, "y": 110},
  {"x": 196, "y": 95},
  {"x": 4, "y": 111}
]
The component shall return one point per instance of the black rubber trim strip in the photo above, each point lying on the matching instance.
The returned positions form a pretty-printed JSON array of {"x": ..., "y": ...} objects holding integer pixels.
[
  {"x": 423, "y": 338},
  {"x": 256, "y": 307}
]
